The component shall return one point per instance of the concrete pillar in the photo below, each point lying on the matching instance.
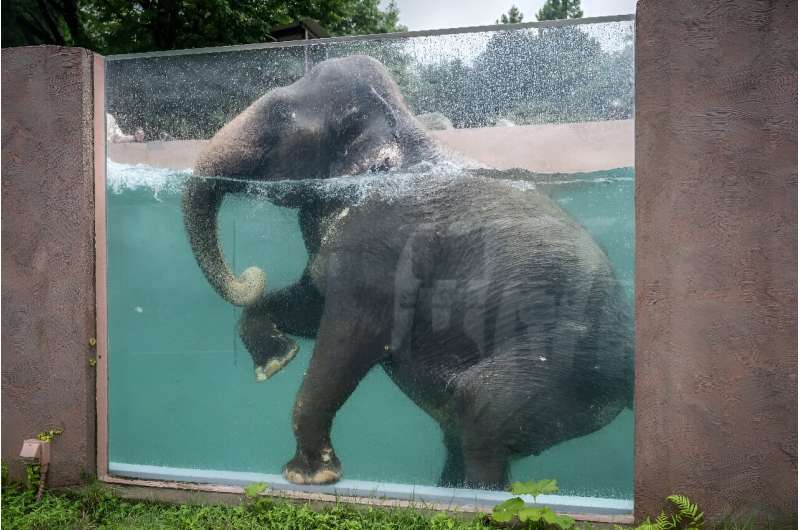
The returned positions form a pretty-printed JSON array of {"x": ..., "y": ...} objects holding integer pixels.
[
  {"x": 48, "y": 287},
  {"x": 716, "y": 266}
]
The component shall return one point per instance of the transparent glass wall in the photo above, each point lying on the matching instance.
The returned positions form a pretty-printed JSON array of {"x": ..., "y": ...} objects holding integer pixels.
[{"x": 398, "y": 275}]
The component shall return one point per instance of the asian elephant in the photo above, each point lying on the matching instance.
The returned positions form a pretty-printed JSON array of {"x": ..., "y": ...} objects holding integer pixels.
[{"x": 488, "y": 305}]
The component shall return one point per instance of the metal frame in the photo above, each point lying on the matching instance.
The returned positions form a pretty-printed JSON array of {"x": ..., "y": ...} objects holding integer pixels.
[
  {"x": 420, "y": 497},
  {"x": 376, "y": 36},
  {"x": 101, "y": 263}
]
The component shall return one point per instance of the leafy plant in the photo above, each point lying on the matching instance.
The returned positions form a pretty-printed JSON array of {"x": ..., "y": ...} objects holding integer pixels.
[
  {"x": 47, "y": 436},
  {"x": 96, "y": 506},
  {"x": 535, "y": 517},
  {"x": 534, "y": 488},
  {"x": 252, "y": 491},
  {"x": 686, "y": 516},
  {"x": 33, "y": 475}
]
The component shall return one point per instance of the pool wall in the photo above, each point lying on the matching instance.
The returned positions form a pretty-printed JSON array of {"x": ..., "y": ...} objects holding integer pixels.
[{"x": 716, "y": 303}]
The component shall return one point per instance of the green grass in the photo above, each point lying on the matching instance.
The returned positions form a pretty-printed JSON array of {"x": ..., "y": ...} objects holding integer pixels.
[{"x": 96, "y": 507}]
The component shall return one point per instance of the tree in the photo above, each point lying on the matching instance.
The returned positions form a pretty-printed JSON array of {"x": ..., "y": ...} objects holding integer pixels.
[
  {"x": 122, "y": 26},
  {"x": 558, "y": 9},
  {"x": 514, "y": 16},
  {"x": 42, "y": 22}
]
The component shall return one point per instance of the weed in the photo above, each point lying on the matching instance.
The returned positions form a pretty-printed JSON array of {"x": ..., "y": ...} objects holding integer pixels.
[
  {"x": 253, "y": 491},
  {"x": 534, "y": 517},
  {"x": 47, "y": 436},
  {"x": 685, "y": 515},
  {"x": 96, "y": 506}
]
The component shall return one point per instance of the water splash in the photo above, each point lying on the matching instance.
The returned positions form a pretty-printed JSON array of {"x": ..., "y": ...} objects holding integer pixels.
[{"x": 387, "y": 186}]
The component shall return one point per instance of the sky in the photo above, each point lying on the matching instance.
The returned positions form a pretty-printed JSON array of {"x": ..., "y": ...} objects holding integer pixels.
[{"x": 440, "y": 14}]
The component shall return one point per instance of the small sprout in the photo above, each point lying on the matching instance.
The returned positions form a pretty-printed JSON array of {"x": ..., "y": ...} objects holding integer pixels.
[
  {"x": 93, "y": 342},
  {"x": 92, "y": 362}
]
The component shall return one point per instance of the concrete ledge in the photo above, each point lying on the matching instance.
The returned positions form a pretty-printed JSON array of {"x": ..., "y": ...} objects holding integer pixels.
[
  {"x": 463, "y": 499},
  {"x": 556, "y": 148}
]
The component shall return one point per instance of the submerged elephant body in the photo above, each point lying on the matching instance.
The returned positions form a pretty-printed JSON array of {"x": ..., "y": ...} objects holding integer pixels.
[{"x": 487, "y": 305}]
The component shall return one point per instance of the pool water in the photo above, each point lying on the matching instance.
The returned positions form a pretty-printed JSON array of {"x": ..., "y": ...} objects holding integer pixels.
[{"x": 183, "y": 392}]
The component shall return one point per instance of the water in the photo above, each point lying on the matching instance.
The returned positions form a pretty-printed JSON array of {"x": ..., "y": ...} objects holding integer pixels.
[{"x": 183, "y": 393}]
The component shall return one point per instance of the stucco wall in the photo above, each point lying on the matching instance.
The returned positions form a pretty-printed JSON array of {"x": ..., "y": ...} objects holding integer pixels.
[
  {"x": 48, "y": 296},
  {"x": 716, "y": 243}
]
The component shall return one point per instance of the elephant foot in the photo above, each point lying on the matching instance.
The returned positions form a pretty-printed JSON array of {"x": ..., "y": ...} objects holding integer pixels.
[
  {"x": 326, "y": 469},
  {"x": 282, "y": 349}
]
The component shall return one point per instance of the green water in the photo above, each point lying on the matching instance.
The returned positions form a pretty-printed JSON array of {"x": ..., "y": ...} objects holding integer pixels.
[{"x": 181, "y": 387}]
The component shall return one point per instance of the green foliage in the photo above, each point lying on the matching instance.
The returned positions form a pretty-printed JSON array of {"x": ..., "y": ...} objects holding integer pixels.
[
  {"x": 546, "y": 517},
  {"x": 47, "y": 436},
  {"x": 534, "y": 488},
  {"x": 686, "y": 516},
  {"x": 252, "y": 491},
  {"x": 96, "y": 506},
  {"x": 560, "y": 9},
  {"x": 123, "y": 26},
  {"x": 688, "y": 512},
  {"x": 33, "y": 474},
  {"x": 534, "y": 517},
  {"x": 514, "y": 16},
  {"x": 26, "y": 22},
  {"x": 507, "y": 510},
  {"x": 548, "y": 75}
]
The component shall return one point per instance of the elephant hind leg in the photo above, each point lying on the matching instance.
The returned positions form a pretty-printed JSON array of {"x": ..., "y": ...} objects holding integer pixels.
[
  {"x": 485, "y": 461},
  {"x": 453, "y": 470},
  {"x": 485, "y": 415},
  {"x": 475, "y": 460}
]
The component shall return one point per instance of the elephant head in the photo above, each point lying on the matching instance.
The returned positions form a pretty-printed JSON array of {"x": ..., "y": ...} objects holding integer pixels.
[{"x": 345, "y": 117}]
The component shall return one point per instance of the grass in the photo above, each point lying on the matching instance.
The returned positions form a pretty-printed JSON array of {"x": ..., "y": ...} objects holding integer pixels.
[{"x": 96, "y": 507}]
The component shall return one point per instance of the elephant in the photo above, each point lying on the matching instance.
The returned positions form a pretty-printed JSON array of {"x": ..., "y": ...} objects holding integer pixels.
[{"x": 484, "y": 302}]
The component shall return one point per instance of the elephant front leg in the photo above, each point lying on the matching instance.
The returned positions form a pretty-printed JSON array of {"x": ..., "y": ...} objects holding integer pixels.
[
  {"x": 342, "y": 357},
  {"x": 296, "y": 309},
  {"x": 269, "y": 347}
]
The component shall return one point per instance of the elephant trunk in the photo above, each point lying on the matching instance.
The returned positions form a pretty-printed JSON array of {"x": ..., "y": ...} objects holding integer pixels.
[{"x": 202, "y": 198}]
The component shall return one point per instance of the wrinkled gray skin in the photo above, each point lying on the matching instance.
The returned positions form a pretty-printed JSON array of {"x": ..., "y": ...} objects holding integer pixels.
[{"x": 487, "y": 305}]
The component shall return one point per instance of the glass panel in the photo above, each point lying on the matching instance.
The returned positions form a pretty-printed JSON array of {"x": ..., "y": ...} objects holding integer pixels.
[{"x": 446, "y": 233}]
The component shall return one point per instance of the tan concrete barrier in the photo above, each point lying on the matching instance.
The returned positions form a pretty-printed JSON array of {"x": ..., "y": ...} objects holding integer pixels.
[{"x": 559, "y": 148}]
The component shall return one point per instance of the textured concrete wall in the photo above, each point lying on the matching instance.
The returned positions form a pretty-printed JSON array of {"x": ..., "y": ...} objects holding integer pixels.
[
  {"x": 716, "y": 241},
  {"x": 48, "y": 295}
]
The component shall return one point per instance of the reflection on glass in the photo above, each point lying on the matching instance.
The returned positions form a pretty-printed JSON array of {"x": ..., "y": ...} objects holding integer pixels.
[{"x": 402, "y": 261}]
